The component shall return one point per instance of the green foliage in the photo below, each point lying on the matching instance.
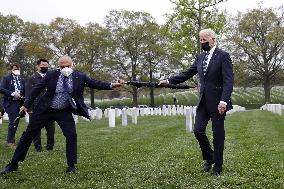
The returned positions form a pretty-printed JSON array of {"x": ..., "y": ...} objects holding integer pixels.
[
  {"x": 258, "y": 43},
  {"x": 185, "y": 23},
  {"x": 250, "y": 98},
  {"x": 156, "y": 153}
]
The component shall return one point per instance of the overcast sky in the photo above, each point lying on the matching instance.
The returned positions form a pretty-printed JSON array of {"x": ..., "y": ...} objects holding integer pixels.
[{"x": 84, "y": 11}]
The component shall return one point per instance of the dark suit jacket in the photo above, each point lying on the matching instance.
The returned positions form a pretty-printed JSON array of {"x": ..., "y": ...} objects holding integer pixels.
[
  {"x": 30, "y": 84},
  {"x": 217, "y": 84},
  {"x": 80, "y": 80},
  {"x": 7, "y": 88}
]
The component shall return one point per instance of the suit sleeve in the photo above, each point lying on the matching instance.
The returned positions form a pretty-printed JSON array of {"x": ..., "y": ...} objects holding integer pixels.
[
  {"x": 96, "y": 84},
  {"x": 28, "y": 87},
  {"x": 185, "y": 75},
  {"x": 228, "y": 78},
  {"x": 35, "y": 92},
  {"x": 4, "y": 87}
]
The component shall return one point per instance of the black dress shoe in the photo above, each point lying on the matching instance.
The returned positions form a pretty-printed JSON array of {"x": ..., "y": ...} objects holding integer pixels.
[
  {"x": 207, "y": 166},
  {"x": 72, "y": 169},
  {"x": 216, "y": 173},
  {"x": 9, "y": 168}
]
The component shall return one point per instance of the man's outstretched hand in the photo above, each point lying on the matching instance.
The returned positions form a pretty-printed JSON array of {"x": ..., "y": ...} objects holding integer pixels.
[
  {"x": 163, "y": 82},
  {"x": 118, "y": 83}
]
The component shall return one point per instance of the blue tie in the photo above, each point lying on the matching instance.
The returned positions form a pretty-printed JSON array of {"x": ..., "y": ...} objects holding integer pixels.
[{"x": 67, "y": 92}]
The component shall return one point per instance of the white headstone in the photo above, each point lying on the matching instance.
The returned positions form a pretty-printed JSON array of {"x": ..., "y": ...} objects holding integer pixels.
[
  {"x": 27, "y": 118},
  {"x": 124, "y": 117},
  {"x": 75, "y": 117},
  {"x": 111, "y": 118},
  {"x": 99, "y": 114},
  {"x": 5, "y": 116},
  {"x": 188, "y": 114},
  {"x": 134, "y": 115}
]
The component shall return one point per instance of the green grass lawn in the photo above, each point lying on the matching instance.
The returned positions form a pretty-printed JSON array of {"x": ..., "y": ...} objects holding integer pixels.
[{"x": 156, "y": 153}]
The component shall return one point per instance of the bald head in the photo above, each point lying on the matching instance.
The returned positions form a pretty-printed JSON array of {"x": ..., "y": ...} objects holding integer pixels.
[{"x": 65, "y": 61}]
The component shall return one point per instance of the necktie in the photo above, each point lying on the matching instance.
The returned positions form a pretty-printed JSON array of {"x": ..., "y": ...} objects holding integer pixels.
[
  {"x": 17, "y": 84},
  {"x": 205, "y": 63},
  {"x": 67, "y": 92}
]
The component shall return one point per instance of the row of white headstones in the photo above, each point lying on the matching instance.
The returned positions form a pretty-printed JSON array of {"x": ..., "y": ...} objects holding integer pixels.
[
  {"x": 170, "y": 110},
  {"x": 274, "y": 108}
]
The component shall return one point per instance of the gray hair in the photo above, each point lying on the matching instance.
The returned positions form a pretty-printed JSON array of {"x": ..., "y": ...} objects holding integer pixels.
[{"x": 209, "y": 32}]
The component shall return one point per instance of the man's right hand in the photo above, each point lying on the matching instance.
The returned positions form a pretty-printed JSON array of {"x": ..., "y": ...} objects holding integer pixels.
[
  {"x": 17, "y": 96},
  {"x": 161, "y": 82},
  {"x": 23, "y": 108}
]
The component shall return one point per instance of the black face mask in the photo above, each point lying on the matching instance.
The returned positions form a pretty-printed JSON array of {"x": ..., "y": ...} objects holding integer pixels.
[
  {"x": 205, "y": 46},
  {"x": 43, "y": 69}
]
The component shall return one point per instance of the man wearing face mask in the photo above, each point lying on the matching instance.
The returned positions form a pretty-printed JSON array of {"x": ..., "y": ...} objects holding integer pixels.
[
  {"x": 215, "y": 71},
  {"x": 63, "y": 96},
  {"x": 13, "y": 89},
  {"x": 42, "y": 68}
]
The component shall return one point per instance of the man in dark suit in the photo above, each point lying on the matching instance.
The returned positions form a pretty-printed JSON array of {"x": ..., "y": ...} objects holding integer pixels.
[
  {"x": 215, "y": 71},
  {"x": 63, "y": 96},
  {"x": 42, "y": 68},
  {"x": 13, "y": 89}
]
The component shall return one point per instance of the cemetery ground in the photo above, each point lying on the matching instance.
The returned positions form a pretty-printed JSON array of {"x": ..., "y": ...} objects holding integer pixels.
[{"x": 155, "y": 153}]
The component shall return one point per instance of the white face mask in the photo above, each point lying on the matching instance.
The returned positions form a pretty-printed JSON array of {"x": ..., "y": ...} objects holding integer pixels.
[
  {"x": 66, "y": 71},
  {"x": 16, "y": 72}
]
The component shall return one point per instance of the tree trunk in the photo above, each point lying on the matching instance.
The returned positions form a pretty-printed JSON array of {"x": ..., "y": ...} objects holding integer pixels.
[
  {"x": 267, "y": 90},
  {"x": 92, "y": 98},
  {"x": 152, "y": 101},
  {"x": 135, "y": 96}
]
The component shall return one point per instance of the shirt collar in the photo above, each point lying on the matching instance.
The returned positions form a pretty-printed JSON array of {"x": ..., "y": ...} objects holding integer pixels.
[
  {"x": 41, "y": 74},
  {"x": 212, "y": 50}
]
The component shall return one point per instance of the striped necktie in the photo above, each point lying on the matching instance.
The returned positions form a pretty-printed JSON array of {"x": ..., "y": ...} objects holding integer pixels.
[{"x": 205, "y": 62}]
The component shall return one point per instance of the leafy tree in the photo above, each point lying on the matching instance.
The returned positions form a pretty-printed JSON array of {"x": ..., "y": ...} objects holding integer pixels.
[
  {"x": 92, "y": 53},
  {"x": 10, "y": 31},
  {"x": 259, "y": 39},
  {"x": 65, "y": 36},
  {"x": 185, "y": 23},
  {"x": 127, "y": 42}
]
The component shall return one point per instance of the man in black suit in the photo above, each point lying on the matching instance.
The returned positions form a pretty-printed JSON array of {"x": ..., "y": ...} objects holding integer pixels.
[
  {"x": 215, "y": 71},
  {"x": 13, "y": 89},
  {"x": 63, "y": 96},
  {"x": 42, "y": 68}
]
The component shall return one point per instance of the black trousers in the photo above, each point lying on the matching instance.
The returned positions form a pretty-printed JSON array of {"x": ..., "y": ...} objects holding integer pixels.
[
  {"x": 13, "y": 112},
  {"x": 50, "y": 130},
  {"x": 201, "y": 121},
  {"x": 65, "y": 121}
]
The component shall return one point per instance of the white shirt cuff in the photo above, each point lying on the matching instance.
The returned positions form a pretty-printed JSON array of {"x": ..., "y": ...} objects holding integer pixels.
[{"x": 223, "y": 102}]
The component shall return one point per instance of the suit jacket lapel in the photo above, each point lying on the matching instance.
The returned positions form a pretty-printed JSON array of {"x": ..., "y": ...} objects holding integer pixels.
[
  {"x": 55, "y": 78},
  {"x": 212, "y": 60},
  {"x": 201, "y": 65},
  {"x": 75, "y": 82}
]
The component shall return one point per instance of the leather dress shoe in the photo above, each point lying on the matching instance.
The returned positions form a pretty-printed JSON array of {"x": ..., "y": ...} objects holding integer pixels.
[
  {"x": 216, "y": 173},
  {"x": 71, "y": 169},
  {"x": 9, "y": 168},
  {"x": 207, "y": 166}
]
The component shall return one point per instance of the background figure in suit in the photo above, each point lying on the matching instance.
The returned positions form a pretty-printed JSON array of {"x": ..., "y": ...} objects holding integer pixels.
[
  {"x": 42, "y": 68},
  {"x": 215, "y": 71},
  {"x": 63, "y": 96},
  {"x": 13, "y": 88}
]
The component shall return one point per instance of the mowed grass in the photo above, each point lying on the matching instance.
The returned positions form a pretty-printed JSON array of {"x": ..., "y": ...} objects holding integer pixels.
[{"x": 156, "y": 153}]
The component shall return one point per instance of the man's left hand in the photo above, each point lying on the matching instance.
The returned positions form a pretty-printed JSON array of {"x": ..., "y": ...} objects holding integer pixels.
[{"x": 221, "y": 108}]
